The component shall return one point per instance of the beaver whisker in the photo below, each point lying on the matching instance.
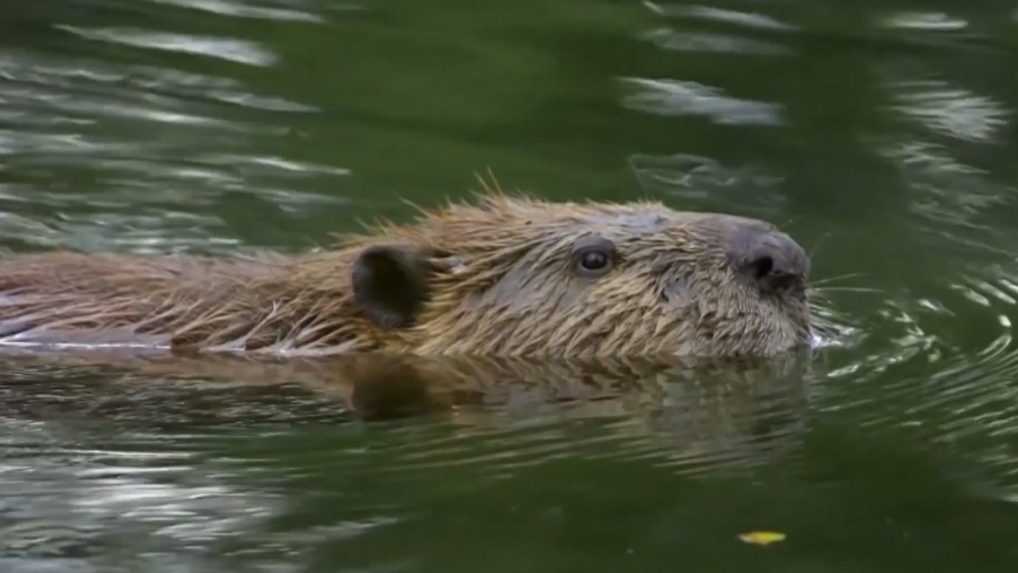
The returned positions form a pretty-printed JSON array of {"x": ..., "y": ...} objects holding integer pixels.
[
  {"x": 827, "y": 289},
  {"x": 815, "y": 283}
]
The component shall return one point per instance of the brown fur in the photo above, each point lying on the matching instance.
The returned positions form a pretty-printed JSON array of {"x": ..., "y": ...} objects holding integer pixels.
[{"x": 500, "y": 284}]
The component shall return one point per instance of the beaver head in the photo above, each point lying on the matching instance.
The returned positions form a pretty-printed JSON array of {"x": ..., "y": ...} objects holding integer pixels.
[{"x": 511, "y": 276}]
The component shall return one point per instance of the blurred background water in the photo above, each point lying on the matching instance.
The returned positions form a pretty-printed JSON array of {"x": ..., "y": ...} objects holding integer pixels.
[{"x": 882, "y": 135}]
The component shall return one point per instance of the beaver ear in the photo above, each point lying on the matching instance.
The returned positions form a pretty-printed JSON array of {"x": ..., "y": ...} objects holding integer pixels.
[{"x": 390, "y": 284}]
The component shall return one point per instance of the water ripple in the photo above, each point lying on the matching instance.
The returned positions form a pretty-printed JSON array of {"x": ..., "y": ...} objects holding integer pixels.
[
  {"x": 952, "y": 111},
  {"x": 148, "y": 194},
  {"x": 927, "y": 21},
  {"x": 275, "y": 164},
  {"x": 724, "y": 15},
  {"x": 113, "y": 505},
  {"x": 59, "y": 79},
  {"x": 676, "y": 98},
  {"x": 670, "y": 39},
  {"x": 956, "y": 200},
  {"x": 233, "y": 50},
  {"x": 243, "y": 10},
  {"x": 966, "y": 403},
  {"x": 709, "y": 184}
]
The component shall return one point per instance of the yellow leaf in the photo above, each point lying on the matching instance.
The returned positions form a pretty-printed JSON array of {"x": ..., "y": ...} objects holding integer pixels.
[{"x": 762, "y": 537}]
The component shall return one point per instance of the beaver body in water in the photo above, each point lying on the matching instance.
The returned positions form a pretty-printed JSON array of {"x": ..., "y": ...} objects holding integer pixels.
[{"x": 507, "y": 276}]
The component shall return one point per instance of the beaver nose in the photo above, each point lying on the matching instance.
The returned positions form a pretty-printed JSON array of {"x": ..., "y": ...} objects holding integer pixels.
[{"x": 768, "y": 257}]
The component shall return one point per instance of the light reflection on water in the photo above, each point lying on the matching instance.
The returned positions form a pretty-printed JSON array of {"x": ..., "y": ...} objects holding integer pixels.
[
  {"x": 711, "y": 183},
  {"x": 82, "y": 117},
  {"x": 670, "y": 39},
  {"x": 929, "y": 21},
  {"x": 739, "y": 18},
  {"x": 245, "y": 10},
  {"x": 672, "y": 97},
  {"x": 952, "y": 111},
  {"x": 228, "y": 49}
]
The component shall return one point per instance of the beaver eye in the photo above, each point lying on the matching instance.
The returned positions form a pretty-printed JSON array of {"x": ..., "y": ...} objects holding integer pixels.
[
  {"x": 594, "y": 256},
  {"x": 594, "y": 260}
]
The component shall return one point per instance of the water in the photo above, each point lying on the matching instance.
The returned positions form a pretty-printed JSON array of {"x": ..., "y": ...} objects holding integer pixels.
[{"x": 881, "y": 135}]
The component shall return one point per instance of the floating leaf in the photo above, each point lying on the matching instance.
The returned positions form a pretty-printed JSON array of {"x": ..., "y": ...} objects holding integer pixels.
[{"x": 762, "y": 537}]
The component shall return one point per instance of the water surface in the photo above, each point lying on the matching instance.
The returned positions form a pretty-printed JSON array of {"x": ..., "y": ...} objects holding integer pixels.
[{"x": 881, "y": 135}]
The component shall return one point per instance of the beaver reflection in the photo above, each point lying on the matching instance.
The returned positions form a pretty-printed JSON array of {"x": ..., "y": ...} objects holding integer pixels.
[
  {"x": 742, "y": 409},
  {"x": 729, "y": 413}
]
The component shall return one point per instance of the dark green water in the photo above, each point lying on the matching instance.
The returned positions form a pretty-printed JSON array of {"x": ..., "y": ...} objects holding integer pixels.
[{"x": 881, "y": 134}]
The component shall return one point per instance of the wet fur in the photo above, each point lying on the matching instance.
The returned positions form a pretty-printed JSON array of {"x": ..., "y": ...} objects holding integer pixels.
[{"x": 498, "y": 279}]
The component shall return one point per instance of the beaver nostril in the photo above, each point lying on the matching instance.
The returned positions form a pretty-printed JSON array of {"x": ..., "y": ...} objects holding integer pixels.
[{"x": 761, "y": 267}]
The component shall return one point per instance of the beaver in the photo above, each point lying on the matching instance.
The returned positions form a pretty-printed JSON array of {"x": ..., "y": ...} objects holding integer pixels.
[{"x": 499, "y": 275}]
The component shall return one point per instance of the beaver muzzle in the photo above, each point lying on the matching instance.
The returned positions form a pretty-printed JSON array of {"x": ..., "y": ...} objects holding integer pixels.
[{"x": 768, "y": 258}]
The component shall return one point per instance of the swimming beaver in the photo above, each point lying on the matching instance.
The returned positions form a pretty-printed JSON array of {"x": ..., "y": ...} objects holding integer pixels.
[{"x": 504, "y": 275}]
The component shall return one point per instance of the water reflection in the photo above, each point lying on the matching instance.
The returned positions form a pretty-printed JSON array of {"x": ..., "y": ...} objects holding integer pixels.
[
  {"x": 711, "y": 184},
  {"x": 670, "y": 39},
  {"x": 675, "y": 97},
  {"x": 716, "y": 14},
  {"x": 953, "y": 385},
  {"x": 176, "y": 480},
  {"x": 927, "y": 21},
  {"x": 244, "y": 10},
  {"x": 96, "y": 509},
  {"x": 151, "y": 194},
  {"x": 230, "y": 49},
  {"x": 951, "y": 111},
  {"x": 679, "y": 409}
]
